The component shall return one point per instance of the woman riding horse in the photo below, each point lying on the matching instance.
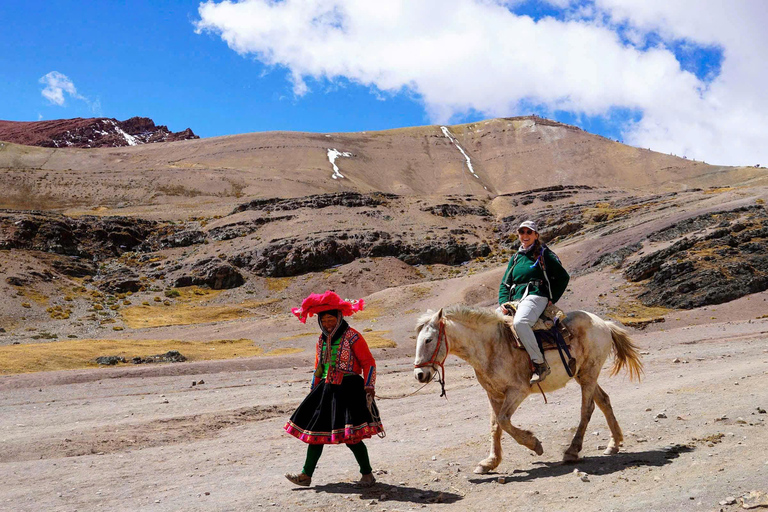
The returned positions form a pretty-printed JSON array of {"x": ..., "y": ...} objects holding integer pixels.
[
  {"x": 536, "y": 278},
  {"x": 340, "y": 407}
]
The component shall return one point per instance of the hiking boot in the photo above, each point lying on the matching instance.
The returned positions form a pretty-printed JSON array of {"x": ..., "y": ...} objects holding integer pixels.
[
  {"x": 301, "y": 479},
  {"x": 540, "y": 373}
]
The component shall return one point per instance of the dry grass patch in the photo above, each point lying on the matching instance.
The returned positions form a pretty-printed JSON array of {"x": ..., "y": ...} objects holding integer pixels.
[
  {"x": 420, "y": 291},
  {"x": 298, "y": 336},
  {"x": 603, "y": 212},
  {"x": 137, "y": 317},
  {"x": 371, "y": 312},
  {"x": 195, "y": 294},
  {"x": 76, "y": 354},
  {"x": 33, "y": 295},
  {"x": 376, "y": 339},
  {"x": 717, "y": 190},
  {"x": 278, "y": 284},
  {"x": 283, "y": 351},
  {"x": 635, "y": 314},
  {"x": 185, "y": 312}
]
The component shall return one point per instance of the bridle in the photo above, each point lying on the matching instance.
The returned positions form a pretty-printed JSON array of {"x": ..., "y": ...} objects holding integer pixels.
[{"x": 441, "y": 337}]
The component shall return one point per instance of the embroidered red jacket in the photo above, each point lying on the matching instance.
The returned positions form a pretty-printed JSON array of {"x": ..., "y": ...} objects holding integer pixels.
[{"x": 353, "y": 357}]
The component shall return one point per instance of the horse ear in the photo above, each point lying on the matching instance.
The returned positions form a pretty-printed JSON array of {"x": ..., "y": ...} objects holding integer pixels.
[{"x": 440, "y": 314}]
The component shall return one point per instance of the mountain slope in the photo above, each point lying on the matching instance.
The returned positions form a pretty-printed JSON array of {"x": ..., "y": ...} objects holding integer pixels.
[{"x": 487, "y": 158}]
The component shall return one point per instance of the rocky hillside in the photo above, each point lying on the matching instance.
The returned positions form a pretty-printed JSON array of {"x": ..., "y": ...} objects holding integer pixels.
[
  {"x": 676, "y": 250},
  {"x": 89, "y": 133}
]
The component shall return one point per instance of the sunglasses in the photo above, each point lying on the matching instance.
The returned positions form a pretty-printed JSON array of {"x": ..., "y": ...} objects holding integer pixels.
[{"x": 525, "y": 232}]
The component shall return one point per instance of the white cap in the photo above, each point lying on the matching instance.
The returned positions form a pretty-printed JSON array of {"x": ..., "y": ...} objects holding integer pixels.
[{"x": 528, "y": 224}]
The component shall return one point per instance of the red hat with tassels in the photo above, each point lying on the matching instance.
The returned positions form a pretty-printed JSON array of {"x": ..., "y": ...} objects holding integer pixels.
[{"x": 317, "y": 303}]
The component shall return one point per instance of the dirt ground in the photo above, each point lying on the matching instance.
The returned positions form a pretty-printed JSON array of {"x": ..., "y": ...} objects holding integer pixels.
[{"x": 124, "y": 439}]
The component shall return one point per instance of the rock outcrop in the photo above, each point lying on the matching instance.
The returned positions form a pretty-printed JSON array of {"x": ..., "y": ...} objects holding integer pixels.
[
  {"x": 89, "y": 133},
  {"x": 292, "y": 257},
  {"x": 212, "y": 272},
  {"x": 720, "y": 266},
  {"x": 83, "y": 237},
  {"x": 347, "y": 199}
]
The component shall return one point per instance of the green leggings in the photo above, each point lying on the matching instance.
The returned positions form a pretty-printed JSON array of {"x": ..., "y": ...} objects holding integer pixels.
[{"x": 314, "y": 451}]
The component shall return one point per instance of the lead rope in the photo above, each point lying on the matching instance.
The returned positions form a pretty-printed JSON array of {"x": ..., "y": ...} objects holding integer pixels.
[
  {"x": 542, "y": 394},
  {"x": 374, "y": 411},
  {"x": 371, "y": 404}
]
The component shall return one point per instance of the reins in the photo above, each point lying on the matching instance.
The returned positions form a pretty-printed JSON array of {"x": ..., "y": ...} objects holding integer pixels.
[{"x": 406, "y": 395}]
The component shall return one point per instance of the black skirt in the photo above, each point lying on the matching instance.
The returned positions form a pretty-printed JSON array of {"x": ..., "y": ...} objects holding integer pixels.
[{"x": 334, "y": 414}]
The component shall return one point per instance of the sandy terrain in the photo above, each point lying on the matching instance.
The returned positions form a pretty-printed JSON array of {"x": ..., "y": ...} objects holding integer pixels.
[{"x": 122, "y": 439}]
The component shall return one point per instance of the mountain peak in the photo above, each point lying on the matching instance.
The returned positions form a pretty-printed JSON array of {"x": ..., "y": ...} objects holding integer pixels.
[{"x": 96, "y": 132}]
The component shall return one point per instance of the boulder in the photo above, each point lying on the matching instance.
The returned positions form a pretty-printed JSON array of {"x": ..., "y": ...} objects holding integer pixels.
[
  {"x": 118, "y": 279},
  {"x": 172, "y": 356},
  {"x": 183, "y": 239},
  {"x": 109, "y": 360},
  {"x": 215, "y": 273}
]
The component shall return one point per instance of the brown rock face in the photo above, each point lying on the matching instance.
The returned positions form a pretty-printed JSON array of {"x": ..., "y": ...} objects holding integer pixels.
[{"x": 89, "y": 133}]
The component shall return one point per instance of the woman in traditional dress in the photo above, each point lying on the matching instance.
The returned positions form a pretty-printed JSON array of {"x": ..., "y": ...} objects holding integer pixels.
[
  {"x": 339, "y": 408},
  {"x": 534, "y": 277}
]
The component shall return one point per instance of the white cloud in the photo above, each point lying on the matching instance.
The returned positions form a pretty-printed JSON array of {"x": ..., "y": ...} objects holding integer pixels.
[
  {"x": 728, "y": 121},
  {"x": 461, "y": 56},
  {"x": 56, "y": 85}
]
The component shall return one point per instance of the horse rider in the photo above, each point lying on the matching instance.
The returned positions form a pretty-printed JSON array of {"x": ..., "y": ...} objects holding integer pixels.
[{"x": 536, "y": 278}]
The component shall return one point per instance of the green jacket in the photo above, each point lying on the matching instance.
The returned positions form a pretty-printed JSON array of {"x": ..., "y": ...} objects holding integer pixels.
[{"x": 523, "y": 271}]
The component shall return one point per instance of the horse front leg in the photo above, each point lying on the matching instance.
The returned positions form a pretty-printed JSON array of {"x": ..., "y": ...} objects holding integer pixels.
[
  {"x": 526, "y": 438},
  {"x": 617, "y": 437},
  {"x": 588, "y": 385},
  {"x": 494, "y": 458}
]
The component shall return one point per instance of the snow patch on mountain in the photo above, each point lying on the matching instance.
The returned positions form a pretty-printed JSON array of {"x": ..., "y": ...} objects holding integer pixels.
[
  {"x": 333, "y": 154},
  {"x": 450, "y": 136}
]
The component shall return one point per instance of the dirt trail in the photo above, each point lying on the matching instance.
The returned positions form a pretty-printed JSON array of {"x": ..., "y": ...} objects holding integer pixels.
[{"x": 159, "y": 443}]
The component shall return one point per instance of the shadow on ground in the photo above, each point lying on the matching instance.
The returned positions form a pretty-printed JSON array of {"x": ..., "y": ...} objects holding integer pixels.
[
  {"x": 599, "y": 465},
  {"x": 386, "y": 492}
]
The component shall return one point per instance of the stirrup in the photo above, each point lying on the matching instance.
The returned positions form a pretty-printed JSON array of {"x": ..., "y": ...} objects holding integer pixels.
[
  {"x": 301, "y": 479},
  {"x": 540, "y": 373}
]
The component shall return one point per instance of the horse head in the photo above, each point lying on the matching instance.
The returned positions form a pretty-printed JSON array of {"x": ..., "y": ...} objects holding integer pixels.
[{"x": 431, "y": 346}]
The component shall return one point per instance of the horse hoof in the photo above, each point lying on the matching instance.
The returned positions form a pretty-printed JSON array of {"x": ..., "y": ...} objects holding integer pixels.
[
  {"x": 538, "y": 448},
  {"x": 611, "y": 450},
  {"x": 481, "y": 470},
  {"x": 570, "y": 457}
]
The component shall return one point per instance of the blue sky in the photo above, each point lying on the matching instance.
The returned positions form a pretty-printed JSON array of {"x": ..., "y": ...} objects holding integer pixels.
[
  {"x": 138, "y": 59},
  {"x": 674, "y": 78}
]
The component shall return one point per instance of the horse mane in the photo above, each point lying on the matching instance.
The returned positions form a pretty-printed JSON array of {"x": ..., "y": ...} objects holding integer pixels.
[
  {"x": 424, "y": 320},
  {"x": 470, "y": 315}
]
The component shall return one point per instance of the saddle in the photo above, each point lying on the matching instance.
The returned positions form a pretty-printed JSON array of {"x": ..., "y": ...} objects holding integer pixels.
[
  {"x": 544, "y": 328},
  {"x": 550, "y": 331}
]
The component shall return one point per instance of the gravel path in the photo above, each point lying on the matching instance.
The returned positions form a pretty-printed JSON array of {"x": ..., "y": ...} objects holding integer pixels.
[{"x": 694, "y": 437}]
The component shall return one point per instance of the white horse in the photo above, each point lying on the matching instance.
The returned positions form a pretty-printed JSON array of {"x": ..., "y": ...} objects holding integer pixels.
[{"x": 483, "y": 338}]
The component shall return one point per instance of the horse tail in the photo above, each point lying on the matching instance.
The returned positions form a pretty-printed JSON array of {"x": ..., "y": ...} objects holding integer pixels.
[{"x": 626, "y": 353}]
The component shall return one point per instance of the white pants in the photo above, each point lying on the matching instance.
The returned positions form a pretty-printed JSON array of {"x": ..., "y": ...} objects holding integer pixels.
[{"x": 529, "y": 310}]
